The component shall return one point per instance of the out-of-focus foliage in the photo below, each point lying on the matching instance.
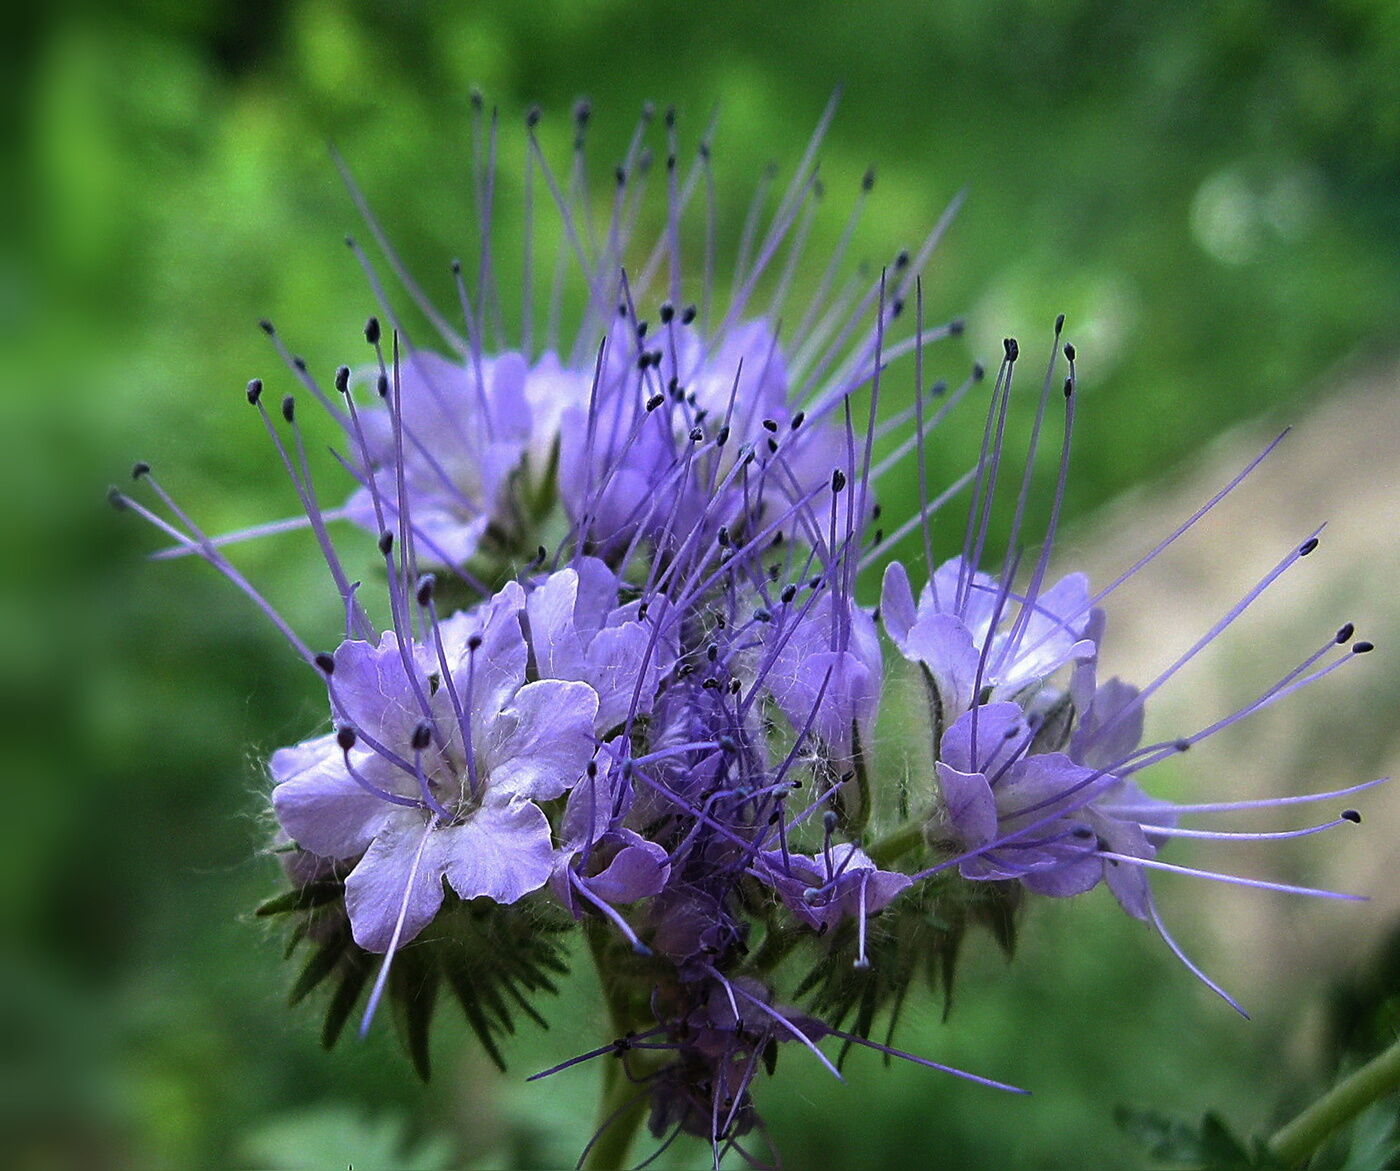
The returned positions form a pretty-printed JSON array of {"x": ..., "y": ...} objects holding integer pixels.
[{"x": 1208, "y": 190}]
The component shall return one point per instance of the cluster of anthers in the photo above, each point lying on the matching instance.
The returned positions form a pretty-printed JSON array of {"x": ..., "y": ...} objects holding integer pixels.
[{"x": 623, "y": 676}]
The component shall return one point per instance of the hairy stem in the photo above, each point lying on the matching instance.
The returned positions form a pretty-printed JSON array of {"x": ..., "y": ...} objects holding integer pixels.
[
  {"x": 896, "y": 844},
  {"x": 1294, "y": 1143}
]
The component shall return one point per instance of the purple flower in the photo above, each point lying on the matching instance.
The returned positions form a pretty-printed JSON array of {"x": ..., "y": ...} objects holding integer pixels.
[
  {"x": 451, "y": 437},
  {"x": 578, "y": 630},
  {"x": 822, "y": 666},
  {"x": 825, "y": 888},
  {"x": 434, "y": 771},
  {"x": 971, "y": 634}
]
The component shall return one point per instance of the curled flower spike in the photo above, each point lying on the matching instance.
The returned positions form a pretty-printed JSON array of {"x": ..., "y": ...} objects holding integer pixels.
[{"x": 610, "y": 664}]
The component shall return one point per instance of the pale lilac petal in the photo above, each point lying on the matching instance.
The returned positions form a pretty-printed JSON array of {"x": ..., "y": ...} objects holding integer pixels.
[
  {"x": 373, "y": 691},
  {"x": 970, "y": 805},
  {"x": 400, "y": 874},
  {"x": 943, "y": 644},
  {"x": 502, "y": 852},
  {"x": 1122, "y": 736},
  {"x": 320, "y": 806},
  {"x": 897, "y": 609},
  {"x": 540, "y": 744},
  {"x": 1001, "y": 733}
]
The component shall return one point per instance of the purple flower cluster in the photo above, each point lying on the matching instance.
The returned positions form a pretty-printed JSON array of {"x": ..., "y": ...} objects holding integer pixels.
[{"x": 623, "y": 668}]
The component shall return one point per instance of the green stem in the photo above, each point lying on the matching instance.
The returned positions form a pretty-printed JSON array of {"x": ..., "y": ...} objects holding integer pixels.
[
  {"x": 622, "y": 1104},
  {"x": 1294, "y": 1143},
  {"x": 620, "y": 1112},
  {"x": 897, "y": 843}
]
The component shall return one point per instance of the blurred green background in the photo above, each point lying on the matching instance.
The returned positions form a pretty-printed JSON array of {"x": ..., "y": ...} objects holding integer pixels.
[{"x": 1210, "y": 191}]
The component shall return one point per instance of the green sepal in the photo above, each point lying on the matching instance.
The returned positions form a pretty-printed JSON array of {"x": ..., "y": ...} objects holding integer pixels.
[{"x": 301, "y": 898}]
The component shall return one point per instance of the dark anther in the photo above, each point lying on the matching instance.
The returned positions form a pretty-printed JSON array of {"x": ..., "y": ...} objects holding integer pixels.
[
  {"x": 723, "y": 536},
  {"x": 670, "y": 117},
  {"x": 770, "y": 425},
  {"x": 956, "y": 327},
  {"x": 372, "y": 331},
  {"x": 620, "y": 174},
  {"x": 1013, "y": 351},
  {"x": 116, "y": 499},
  {"x": 1059, "y": 324},
  {"x": 773, "y": 446},
  {"x": 655, "y": 401},
  {"x": 643, "y": 360},
  {"x": 735, "y": 687},
  {"x": 139, "y": 469},
  {"x": 1083, "y": 831},
  {"x": 670, "y": 162},
  {"x": 622, "y": 308},
  {"x": 798, "y": 419},
  {"x": 1307, "y": 546},
  {"x": 701, "y": 414},
  {"x": 642, "y": 608},
  {"x": 902, "y": 260},
  {"x": 668, "y": 311},
  {"x": 896, "y": 307},
  {"x": 1352, "y": 816},
  {"x": 789, "y": 592},
  {"x": 778, "y": 539},
  {"x": 1069, "y": 388},
  {"x": 704, "y": 149},
  {"x": 476, "y": 99},
  {"x": 1069, "y": 351},
  {"x": 474, "y": 642},
  {"x": 1344, "y": 635},
  {"x": 345, "y": 737},
  {"x": 326, "y": 663},
  {"x": 829, "y": 820},
  {"x": 456, "y": 268},
  {"x": 687, "y": 314},
  {"x": 426, "y": 588},
  {"x": 583, "y": 110},
  {"x": 726, "y": 744},
  {"x": 712, "y": 652},
  {"x": 386, "y": 542},
  {"x": 867, "y": 181},
  {"x": 267, "y": 327},
  {"x": 838, "y": 480},
  {"x": 254, "y": 390},
  {"x": 342, "y": 379},
  {"x": 879, "y": 536},
  {"x": 289, "y": 408},
  {"x": 656, "y": 356},
  {"x": 875, "y": 511},
  {"x": 979, "y": 372},
  {"x": 710, "y": 684},
  {"x": 673, "y": 384},
  {"x": 592, "y": 769},
  {"x": 532, "y": 117},
  {"x": 382, "y": 386},
  {"x": 1362, "y": 648},
  {"x": 1181, "y": 745},
  {"x": 299, "y": 363},
  {"x": 422, "y": 736},
  {"x": 696, "y": 434},
  {"x": 641, "y": 330}
]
